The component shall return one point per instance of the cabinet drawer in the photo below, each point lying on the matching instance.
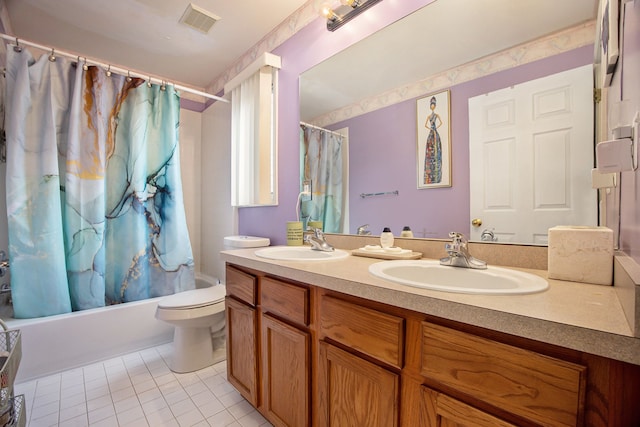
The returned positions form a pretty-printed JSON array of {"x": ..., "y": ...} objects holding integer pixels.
[
  {"x": 241, "y": 285},
  {"x": 368, "y": 331},
  {"x": 285, "y": 300},
  {"x": 540, "y": 388}
]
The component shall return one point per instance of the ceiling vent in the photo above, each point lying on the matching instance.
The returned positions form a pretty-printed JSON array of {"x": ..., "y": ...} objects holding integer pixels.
[{"x": 198, "y": 18}]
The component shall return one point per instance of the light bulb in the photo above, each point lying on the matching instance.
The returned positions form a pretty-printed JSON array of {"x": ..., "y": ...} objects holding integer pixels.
[{"x": 327, "y": 11}]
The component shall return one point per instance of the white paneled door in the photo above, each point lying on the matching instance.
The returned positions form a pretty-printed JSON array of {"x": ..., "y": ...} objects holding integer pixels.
[{"x": 531, "y": 155}]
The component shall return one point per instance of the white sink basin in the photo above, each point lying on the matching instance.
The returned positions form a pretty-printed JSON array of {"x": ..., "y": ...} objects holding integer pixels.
[
  {"x": 429, "y": 274},
  {"x": 299, "y": 253}
]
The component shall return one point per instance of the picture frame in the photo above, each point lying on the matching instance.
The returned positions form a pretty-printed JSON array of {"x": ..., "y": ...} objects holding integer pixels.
[
  {"x": 608, "y": 40},
  {"x": 433, "y": 140}
]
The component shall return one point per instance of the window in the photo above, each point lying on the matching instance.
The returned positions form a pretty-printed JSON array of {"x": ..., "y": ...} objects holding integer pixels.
[{"x": 253, "y": 134}]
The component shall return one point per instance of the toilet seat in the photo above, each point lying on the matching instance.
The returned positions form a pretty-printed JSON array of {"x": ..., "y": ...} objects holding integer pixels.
[{"x": 194, "y": 298}]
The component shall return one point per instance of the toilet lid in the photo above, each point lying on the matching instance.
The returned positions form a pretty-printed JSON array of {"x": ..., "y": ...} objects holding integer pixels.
[{"x": 194, "y": 298}]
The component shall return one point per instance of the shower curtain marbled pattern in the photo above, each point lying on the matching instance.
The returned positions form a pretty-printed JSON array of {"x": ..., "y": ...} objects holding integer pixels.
[
  {"x": 94, "y": 195},
  {"x": 321, "y": 164}
]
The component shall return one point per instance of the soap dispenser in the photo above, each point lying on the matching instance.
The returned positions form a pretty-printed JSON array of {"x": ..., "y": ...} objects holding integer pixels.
[
  {"x": 406, "y": 232},
  {"x": 386, "y": 238}
]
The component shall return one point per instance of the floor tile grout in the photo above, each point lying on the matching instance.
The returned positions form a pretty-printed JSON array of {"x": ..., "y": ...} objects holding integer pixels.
[{"x": 137, "y": 390}]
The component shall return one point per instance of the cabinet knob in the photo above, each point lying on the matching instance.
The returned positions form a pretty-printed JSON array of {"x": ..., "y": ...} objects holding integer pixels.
[{"x": 476, "y": 222}]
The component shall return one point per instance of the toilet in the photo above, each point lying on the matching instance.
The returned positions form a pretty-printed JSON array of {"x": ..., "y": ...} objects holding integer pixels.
[
  {"x": 198, "y": 316},
  {"x": 195, "y": 314}
]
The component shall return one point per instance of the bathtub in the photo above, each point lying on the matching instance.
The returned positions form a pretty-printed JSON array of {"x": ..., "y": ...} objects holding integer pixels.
[{"x": 65, "y": 341}]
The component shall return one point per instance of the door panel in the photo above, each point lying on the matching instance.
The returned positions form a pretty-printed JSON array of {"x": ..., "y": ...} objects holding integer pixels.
[
  {"x": 286, "y": 372},
  {"x": 242, "y": 366},
  {"x": 355, "y": 392},
  {"x": 531, "y": 154}
]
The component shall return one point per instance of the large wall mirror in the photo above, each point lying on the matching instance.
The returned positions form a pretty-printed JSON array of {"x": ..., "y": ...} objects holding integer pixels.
[{"x": 467, "y": 50}]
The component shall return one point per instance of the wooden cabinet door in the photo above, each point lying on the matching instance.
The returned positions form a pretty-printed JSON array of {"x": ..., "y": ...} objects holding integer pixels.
[
  {"x": 445, "y": 411},
  {"x": 543, "y": 389},
  {"x": 242, "y": 365},
  {"x": 355, "y": 392},
  {"x": 285, "y": 373}
]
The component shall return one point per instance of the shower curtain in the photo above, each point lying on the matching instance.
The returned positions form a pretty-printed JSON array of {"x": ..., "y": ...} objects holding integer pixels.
[
  {"x": 322, "y": 164},
  {"x": 94, "y": 196}
]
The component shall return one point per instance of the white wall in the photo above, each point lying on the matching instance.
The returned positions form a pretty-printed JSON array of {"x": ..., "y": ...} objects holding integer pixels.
[
  {"x": 218, "y": 217},
  {"x": 190, "y": 154}
]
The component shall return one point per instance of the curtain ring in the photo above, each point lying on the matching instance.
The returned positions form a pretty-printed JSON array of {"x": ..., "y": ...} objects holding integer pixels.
[
  {"x": 52, "y": 57},
  {"x": 149, "y": 82},
  {"x": 109, "y": 71},
  {"x": 129, "y": 76},
  {"x": 163, "y": 86},
  {"x": 84, "y": 65},
  {"x": 17, "y": 48}
]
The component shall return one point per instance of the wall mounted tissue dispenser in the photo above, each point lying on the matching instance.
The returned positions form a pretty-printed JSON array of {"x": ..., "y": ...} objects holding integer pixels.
[{"x": 621, "y": 153}]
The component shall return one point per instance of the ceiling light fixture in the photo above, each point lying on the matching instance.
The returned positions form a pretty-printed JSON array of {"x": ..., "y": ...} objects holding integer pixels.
[{"x": 348, "y": 10}]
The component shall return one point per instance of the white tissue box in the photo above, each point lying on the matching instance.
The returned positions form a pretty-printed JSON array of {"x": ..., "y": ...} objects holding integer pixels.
[{"x": 581, "y": 254}]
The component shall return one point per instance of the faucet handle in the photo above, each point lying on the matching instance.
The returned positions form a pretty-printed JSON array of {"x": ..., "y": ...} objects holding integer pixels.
[
  {"x": 457, "y": 238},
  {"x": 363, "y": 231}
]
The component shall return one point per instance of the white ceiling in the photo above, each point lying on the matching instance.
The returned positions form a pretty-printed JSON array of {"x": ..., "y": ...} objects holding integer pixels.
[
  {"x": 436, "y": 38},
  {"x": 145, "y": 36}
]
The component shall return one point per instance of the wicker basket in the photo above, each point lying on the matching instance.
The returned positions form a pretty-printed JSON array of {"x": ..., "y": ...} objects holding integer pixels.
[{"x": 12, "y": 409}]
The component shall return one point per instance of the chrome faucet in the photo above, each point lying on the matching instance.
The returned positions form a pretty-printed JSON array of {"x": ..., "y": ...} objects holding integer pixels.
[
  {"x": 488, "y": 235},
  {"x": 459, "y": 254},
  {"x": 362, "y": 230},
  {"x": 317, "y": 241}
]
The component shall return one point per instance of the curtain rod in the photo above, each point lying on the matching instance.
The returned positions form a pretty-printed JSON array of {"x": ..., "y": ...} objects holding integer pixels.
[
  {"x": 309, "y": 125},
  {"x": 115, "y": 69}
]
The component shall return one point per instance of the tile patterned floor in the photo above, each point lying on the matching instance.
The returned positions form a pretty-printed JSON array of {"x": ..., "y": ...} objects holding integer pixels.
[{"x": 137, "y": 390}]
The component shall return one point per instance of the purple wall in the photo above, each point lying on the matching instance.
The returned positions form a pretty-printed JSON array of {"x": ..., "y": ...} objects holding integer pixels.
[
  {"x": 382, "y": 157},
  {"x": 624, "y": 102}
]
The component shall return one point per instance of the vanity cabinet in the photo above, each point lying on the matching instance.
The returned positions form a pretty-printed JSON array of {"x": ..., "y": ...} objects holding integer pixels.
[
  {"x": 355, "y": 392},
  {"x": 304, "y": 355},
  {"x": 269, "y": 345},
  {"x": 359, "y": 380},
  {"x": 286, "y": 346},
  {"x": 242, "y": 333},
  {"x": 529, "y": 385}
]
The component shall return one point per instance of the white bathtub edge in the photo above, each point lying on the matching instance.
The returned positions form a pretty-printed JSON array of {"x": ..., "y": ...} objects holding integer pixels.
[{"x": 58, "y": 343}]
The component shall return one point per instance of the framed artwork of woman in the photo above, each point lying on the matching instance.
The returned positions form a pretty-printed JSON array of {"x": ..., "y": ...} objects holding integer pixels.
[{"x": 433, "y": 157}]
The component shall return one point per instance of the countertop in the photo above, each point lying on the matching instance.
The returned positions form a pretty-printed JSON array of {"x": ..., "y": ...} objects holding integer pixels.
[{"x": 583, "y": 317}]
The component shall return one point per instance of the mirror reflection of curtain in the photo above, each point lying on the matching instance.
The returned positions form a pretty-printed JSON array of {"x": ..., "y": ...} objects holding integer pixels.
[
  {"x": 94, "y": 195},
  {"x": 322, "y": 162}
]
